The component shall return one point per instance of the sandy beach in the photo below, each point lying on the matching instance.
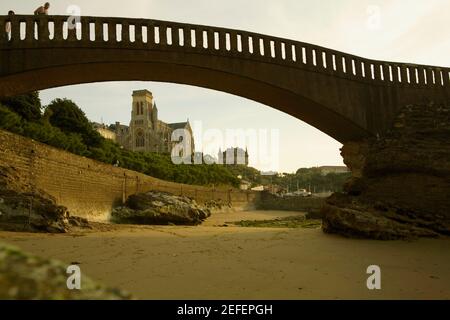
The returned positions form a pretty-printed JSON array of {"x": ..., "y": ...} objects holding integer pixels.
[{"x": 214, "y": 261}]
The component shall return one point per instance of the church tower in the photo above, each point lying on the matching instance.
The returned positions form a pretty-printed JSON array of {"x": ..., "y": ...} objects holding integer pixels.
[{"x": 141, "y": 120}]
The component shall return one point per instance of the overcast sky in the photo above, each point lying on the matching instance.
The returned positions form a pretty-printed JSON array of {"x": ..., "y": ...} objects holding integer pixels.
[{"x": 415, "y": 31}]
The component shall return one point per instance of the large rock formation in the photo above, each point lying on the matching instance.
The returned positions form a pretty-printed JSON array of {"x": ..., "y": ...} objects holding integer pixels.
[
  {"x": 27, "y": 277},
  {"x": 401, "y": 182},
  {"x": 25, "y": 209},
  {"x": 160, "y": 208}
]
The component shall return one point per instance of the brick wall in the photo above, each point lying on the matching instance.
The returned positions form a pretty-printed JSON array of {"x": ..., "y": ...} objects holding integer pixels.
[{"x": 89, "y": 188}]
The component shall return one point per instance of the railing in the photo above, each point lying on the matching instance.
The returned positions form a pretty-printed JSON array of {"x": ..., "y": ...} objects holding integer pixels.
[{"x": 163, "y": 35}]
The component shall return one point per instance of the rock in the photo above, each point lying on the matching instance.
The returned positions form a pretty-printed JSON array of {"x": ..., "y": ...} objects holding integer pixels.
[
  {"x": 79, "y": 222},
  {"x": 27, "y": 277},
  {"x": 215, "y": 205},
  {"x": 401, "y": 181},
  {"x": 23, "y": 209},
  {"x": 160, "y": 208},
  {"x": 350, "y": 218}
]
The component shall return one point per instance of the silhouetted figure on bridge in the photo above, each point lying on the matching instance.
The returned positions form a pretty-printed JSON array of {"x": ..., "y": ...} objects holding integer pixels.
[
  {"x": 42, "y": 9},
  {"x": 8, "y": 25}
]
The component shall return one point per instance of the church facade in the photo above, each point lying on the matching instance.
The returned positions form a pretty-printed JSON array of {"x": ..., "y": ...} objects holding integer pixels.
[{"x": 146, "y": 133}]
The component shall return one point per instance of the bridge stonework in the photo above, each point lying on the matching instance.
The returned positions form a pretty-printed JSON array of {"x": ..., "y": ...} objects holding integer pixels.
[{"x": 345, "y": 96}]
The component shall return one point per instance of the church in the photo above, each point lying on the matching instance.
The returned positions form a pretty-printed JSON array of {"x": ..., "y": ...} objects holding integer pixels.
[{"x": 146, "y": 133}]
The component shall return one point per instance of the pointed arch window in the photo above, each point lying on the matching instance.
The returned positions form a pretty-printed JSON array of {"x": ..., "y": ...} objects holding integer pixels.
[
  {"x": 139, "y": 108},
  {"x": 140, "y": 139}
]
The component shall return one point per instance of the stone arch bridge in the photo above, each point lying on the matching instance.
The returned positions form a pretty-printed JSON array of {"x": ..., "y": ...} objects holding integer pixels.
[{"x": 345, "y": 96}]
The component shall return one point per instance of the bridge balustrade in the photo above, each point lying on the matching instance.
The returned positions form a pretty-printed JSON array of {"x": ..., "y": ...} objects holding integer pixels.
[{"x": 60, "y": 31}]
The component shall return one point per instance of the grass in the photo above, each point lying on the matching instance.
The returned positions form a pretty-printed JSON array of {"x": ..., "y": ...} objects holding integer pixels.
[{"x": 288, "y": 222}]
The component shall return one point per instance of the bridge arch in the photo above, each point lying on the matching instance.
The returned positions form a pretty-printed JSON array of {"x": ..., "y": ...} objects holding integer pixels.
[{"x": 345, "y": 96}]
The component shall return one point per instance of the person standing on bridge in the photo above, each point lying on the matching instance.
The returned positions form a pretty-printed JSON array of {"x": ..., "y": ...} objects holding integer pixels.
[
  {"x": 8, "y": 26},
  {"x": 42, "y": 9}
]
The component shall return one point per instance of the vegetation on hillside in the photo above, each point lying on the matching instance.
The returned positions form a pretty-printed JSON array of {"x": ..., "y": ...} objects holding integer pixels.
[
  {"x": 305, "y": 178},
  {"x": 62, "y": 124}
]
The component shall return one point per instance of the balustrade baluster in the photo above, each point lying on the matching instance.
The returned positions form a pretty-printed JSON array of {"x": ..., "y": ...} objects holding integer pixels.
[
  {"x": 420, "y": 72},
  {"x": 71, "y": 29},
  {"x": 348, "y": 66},
  {"x": 42, "y": 22},
  {"x": 29, "y": 29},
  {"x": 404, "y": 74},
  {"x": 386, "y": 74},
  {"x": 125, "y": 33},
  {"x": 199, "y": 38},
  {"x": 187, "y": 37},
  {"x": 395, "y": 73},
  {"x": 211, "y": 41},
  {"x": 358, "y": 69},
  {"x": 429, "y": 72},
  {"x": 288, "y": 51},
  {"x": 3, "y": 37},
  {"x": 85, "y": 29},
  {"x": 99, "y": 31},
  {"x": 446, "y": 74},
  {"x": 138, "y": 39},
  {"x": 112, "y": 32},
  {"x": 309, "y": 56},
  {"x": 233, "y": 41},
  {"x": 176, "y": 36},
  {"x": 339, "y": 64},
  {"x": 377, "y": 71},
  {"x": 222, "y": 41},
  {"x": 245, "y": 43},
  {"x": 319, "y": 58},
  {"x": 278, "y": 50},
  {"x": 164, "y": 35},
  {"x": 367, "y": 70},
  {"x": 437, "y": 76},
  {"x": 267, "y": 47},
  {"x": 150, "y": 35},
  {"x": 257, "y": 46},
  {"x": 15, "y": 29},
  {"x": 329, "y": 61}
]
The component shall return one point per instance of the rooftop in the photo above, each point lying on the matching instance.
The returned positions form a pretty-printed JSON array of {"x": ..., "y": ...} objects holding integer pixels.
[{"x": 142, "y": 93}]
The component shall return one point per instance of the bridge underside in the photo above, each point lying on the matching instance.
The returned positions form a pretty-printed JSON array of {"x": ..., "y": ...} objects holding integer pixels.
[
  {"x": 319, "y": 116},
  {"x": 345, "y": 107}
]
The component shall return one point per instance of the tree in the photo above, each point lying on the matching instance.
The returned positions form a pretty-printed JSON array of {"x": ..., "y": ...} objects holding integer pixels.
[
  {"x": 67, "y": 116},
  {"x": 28, "y": 106},
  {"x": 9, "y": 120}
]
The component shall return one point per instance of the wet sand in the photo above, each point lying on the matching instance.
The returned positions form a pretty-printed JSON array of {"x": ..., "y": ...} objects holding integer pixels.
[{"x": 215, "y": 262}]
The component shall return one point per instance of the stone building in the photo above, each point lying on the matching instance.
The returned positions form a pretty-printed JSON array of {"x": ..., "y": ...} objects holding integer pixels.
[
  {"x": 233, "y": 156},
  {"x": 146, "y": 133},
  {"x": 104, "y": 131}
]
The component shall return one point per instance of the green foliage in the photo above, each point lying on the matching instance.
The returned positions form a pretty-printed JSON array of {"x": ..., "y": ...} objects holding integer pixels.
[
  {"x": 28, "y": 106},
  {"x": 68, "y": 117},
  {"x": 287, "y": 222},
  {"x": 65, "y": 126},
  {"x": 311, "y": 179},
  {"x": 10, "y": 121}
]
